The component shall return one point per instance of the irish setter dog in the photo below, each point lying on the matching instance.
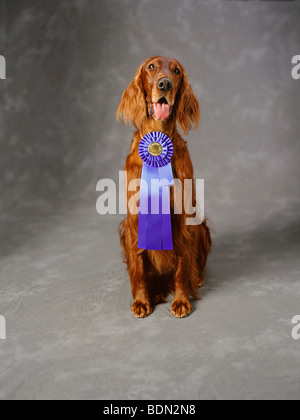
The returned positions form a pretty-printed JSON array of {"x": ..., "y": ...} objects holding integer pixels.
[{"x": 158, "y": 97}]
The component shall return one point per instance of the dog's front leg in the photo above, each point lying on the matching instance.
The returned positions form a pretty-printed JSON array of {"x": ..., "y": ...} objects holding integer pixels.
[
  {"x": 181, "y": 306},
  {"x": 141, "y": 307}
]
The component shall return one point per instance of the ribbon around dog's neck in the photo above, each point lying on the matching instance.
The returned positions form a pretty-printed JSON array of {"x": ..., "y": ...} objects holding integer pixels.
[{"x": 155, "y": 230}]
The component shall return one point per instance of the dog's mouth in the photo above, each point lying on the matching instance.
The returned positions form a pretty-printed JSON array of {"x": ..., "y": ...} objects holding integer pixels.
[{"x": 161, "y": 110}]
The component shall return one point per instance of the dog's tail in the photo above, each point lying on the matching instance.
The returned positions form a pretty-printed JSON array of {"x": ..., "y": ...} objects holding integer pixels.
[{"x": 205, "y": 244}]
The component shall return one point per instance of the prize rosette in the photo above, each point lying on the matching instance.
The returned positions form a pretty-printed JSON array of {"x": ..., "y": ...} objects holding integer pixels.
[{"x": 155, "y": 231}]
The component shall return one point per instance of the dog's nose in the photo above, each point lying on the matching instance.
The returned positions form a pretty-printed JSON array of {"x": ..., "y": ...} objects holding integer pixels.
[{"x": 164, "y": 84}]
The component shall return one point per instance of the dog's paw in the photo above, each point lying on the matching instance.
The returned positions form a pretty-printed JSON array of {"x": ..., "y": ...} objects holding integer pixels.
[
  {"x": 181, "y": 309},
  {"x": 141, "y": 309}
]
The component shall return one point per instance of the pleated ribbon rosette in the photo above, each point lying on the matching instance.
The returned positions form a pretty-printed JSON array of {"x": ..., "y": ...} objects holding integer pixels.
[{"x": 155, "y": 230}]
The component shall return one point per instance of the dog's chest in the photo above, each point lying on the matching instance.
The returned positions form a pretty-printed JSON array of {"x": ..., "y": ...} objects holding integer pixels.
[{"x": 163, "y": 261}]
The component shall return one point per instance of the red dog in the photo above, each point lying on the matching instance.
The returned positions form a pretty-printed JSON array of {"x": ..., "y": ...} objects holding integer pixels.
[{"x": 158, "y": 97}]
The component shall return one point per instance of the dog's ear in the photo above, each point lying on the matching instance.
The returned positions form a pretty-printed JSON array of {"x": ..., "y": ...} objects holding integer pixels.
[
  {"x": 187, "y": 112},
  {"x": 133, "y": 107}
]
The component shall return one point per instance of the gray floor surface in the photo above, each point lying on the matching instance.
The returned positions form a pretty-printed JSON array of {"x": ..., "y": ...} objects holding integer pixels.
[{"x": 70, "y": 333}]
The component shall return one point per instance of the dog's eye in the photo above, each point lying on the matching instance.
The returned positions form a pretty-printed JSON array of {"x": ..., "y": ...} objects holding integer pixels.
[
  {"x": 176, "y": 71},
  {"x": 151, "y": 67}
]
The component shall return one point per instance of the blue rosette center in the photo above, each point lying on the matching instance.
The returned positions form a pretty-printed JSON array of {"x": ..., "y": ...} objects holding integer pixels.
[{"x": 153, "y": 143}]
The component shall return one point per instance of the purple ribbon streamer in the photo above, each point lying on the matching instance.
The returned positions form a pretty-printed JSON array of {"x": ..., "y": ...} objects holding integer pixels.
[{"x": 155, "y": 231}]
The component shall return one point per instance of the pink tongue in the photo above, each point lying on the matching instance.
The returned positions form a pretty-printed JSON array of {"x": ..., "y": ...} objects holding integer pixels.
[{"x": 162, "y": 111}]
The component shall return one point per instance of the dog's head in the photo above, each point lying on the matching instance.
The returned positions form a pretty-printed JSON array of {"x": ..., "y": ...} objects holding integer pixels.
[{"x": 160, "y": 90}]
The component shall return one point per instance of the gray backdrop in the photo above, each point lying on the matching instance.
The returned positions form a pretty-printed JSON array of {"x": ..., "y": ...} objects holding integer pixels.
[{"x": 64, "y": 290}]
